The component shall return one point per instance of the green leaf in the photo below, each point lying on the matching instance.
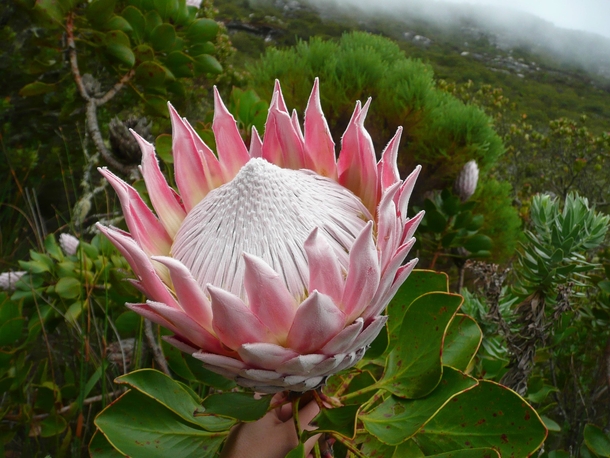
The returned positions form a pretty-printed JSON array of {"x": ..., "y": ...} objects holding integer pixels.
[
  {"x": 166, "y": 8},
  {"x": 340, "y": 420},
  {"x": 173, "y": 396},
  {"x": 551, "y": 425},
  {"x": 99, "y": 447},
  {"x": 137, "y": 425},
  {"x": 118, "y": 23},
  {"x": 180, "y": 64},
  {"x": 597, "y": 441},
  {"x": 297, "y": 452},
  {"x": 68, "y": 287},
  {"x": 52, "y": 426},
  {"x": 157, "y": 105},
  {"x": 163, "y": 147},
  {"x": 418, "y": 283},
  {"x": 150, "y": 74},
  {"x": 472, "y": 453},
  {"x": 36, "y": 88},
  {"x": 379, "y": 345},
  {"x": 360, "y": 381},
  {"x": 435, "y": 221},
  {"x": 202, "y": 48},
  {"x": 241, "y": 406},
  {"x": 50, "y": 244},
  {"x": 49, "y": 10},
  {"x": 74, "y": 311},
  {"x": 488, "y": 415},
  {"x": 100, "y": 11},
  {"x": 462, "y": 342},
  {"x": 204, "y": 63},
  {"x": 10, "y": 331},
  {"x": 163, "y": 37},
  {"x": 152, "y": 21},
  {"x": 119, "y": 47},
  {"x": 413, "y": 367},
  {"x": 144, "y": 53},
  {"x": 202, "y": 30},
  {"x": 136, "y": 20},
  {"x": 478, "y": 242},
  {"x": 395, "y": 419}
]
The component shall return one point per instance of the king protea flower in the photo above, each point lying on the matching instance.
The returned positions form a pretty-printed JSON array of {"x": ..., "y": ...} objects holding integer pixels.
[{"x": 272, "y": 265}]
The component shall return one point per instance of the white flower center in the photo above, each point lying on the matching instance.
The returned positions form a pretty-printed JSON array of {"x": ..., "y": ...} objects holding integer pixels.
[{"x": 269, "y": 212}]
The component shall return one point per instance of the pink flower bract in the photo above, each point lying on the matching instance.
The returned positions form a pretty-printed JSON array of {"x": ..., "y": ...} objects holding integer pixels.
[{"x": 271, "y": 264}]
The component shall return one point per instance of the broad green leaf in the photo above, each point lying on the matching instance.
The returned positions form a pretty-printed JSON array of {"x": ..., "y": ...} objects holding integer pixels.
[
  {"x": 163, "y": 148},
  {"x": 153, "y": 20},
  {"x": 202, "y": 48},
  {"x": 180, "y": 64},
  {"x": 413, "y": 367},
  {"x": 100, "y": 11},
  {"x": 173, "y": 396},
  {"x": 395, "y": 419},
  {"x": 360, "y": 381},
  {"x": 136, "y": 20},
  {"x": 379, "y": 345},
  {"x": 157, "y": 106},
  {"x": 52, "y": 426},
  {"x": 202, "y": 30},
  {"x": 241, "y": 406},
  {"x": 435, "y": 221},
  {"x": 150, "y": 74},
  {"x": 50, "y": 244},
  {"x": 340, "y": 420},
  {"x": 137, "y": 425},
  {"x": 49, "y": 10},
  {"x": 166, "y": 8},
  {"x": 74, "y": 311},
  {"x": 36, "y": 88},
  {"x": 118, "y": 23},
  {"x": 597, "y": 441},
  {"x": 204, "y": 63},
  {"x": 68, "y": 288},
  {"x": 488, "y": 415},
  {"x": 373, "y": 448},
  {"x": 119, "y": 47},
  {"x": 99, "y": 447},
  {"x": 163, "y": 37},
  {"x": 10, "y": 331},
  {"x": 418, "y": 283},
  {"x": 551, "y": 425},
  {"x": 478, "y": 242},
  {"x": 472, "y": 453},
  {"x": 462, "y": 341},
  {"x": 298, "y": 452},
  {"x": 144, "y": 53}
]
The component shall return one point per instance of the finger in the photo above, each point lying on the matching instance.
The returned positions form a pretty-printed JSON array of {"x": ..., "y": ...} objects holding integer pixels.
[
  {"x": 310, "y": 443},
  {"x": 307, "y": 413},
  {"x": 284, "y": 412}
]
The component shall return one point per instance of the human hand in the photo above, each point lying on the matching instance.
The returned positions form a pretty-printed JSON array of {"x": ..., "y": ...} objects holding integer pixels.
[{"x": 274, "y": 435}]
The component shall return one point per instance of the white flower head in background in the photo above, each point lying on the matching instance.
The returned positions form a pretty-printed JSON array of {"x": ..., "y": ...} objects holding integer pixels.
[
  {"x": 466, "y": 183},
  {"x": 68, "y": 244},
  {"x": 8, "y": 279}
]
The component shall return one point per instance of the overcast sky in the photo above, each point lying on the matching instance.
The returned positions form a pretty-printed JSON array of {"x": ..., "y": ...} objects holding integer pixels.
[{"x": 589, "y": 15}]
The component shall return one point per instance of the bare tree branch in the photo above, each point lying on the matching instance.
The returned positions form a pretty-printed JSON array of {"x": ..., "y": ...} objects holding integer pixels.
[{"x": 93, "y": 103}]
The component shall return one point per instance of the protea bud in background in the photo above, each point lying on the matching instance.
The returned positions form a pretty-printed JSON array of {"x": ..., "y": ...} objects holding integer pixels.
[
  {"x": 274, "y": 265},
  {"x": 68, "y": 244},
  {"x": 8, "y": 279},
  {"x": 466, "y": 183},
  {"x": 195, "y": 3},
  {"x": 124, "y": 147}
]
